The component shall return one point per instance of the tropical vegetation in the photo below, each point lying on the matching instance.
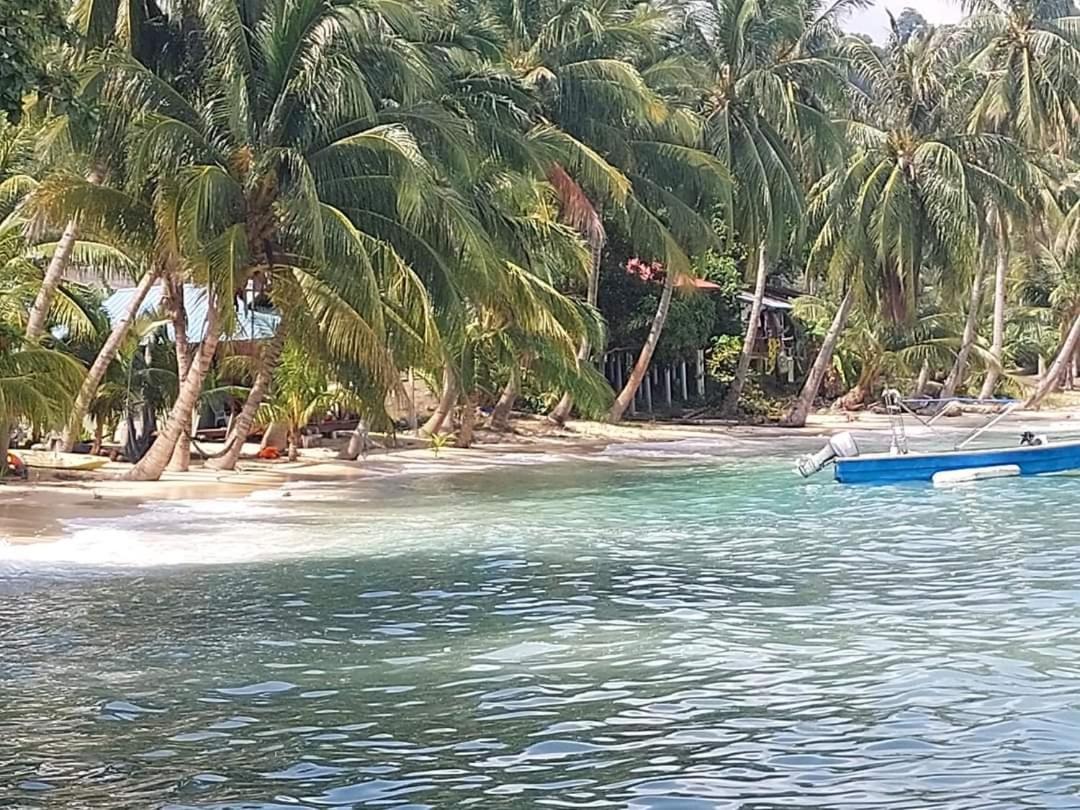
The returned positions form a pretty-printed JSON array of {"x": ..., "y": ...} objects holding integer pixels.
[{"x": 508, "y": 200}]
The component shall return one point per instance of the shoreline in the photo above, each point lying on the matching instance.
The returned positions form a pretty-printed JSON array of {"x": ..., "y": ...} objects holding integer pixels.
[{"x": 37, "y": 510}]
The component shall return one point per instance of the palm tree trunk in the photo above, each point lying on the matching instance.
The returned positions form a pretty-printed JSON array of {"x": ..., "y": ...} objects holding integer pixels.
[
  {"x": 358, "y": 443},
  {"x": 157, "y": 457},
  {"x": 242, "y": 424},
  {"x": 101, "y": 363},
  {"x": 971, "y": 332},
  {"x": 997, "y": 345},
  {"x": 641, "y": 368},
  {"x": 863, "y": 388},
  {"x": 468, "y": 422},
  {"x": 5, "y": 445},
  {"x": 181, "y": 456},
  {"x": 923, "y": 381},
  {"x": 294, "y": 443},
  {"x": 1052, "y": 378},
  {"x": 797, "y": 415},
  {"x": 99, "y": 436},
  {"x": 742, "y": 371},
  {"x": 54, "y": 273},
  {"x": 561, "y": 412},
  {"x": 500, "y": 416},
  {"x": 446, "y": 403}
]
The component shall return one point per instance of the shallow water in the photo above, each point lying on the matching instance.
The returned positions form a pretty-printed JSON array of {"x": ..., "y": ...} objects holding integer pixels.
[{"x": 643, "y": 630}]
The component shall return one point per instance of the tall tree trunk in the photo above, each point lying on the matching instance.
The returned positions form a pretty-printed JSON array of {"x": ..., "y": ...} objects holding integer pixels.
[
  {"x": 99, "y": 436},
  {"x": 742, "y": 371},
  {"x": 181, "y": 456},
  {"x": 446, "y": 403},
  {"x": 798, "y": 413},
  {"x": 923, "y": 381},
  {"x": 54, "y": 273},
  {"x": 641, "y": 368},
  {"x": 358, "y": 443},
  {"x": 268, "y": 362},
  {"x": 863, "y": 388},
  {"x": 997, "y": 345},
  {"x": 500, "y": 416},
  {"x": 294, "y": 443},
  {"x": 1054, "y": 374},
  {"x": 561, "y": 412},
  {"x": 971, "y": 332},
  {"x": 157, "y": 457},
  {"x": 468, "y": 421},
  {"x": 5, "y": 446},
  {"x": 101, "y": 363}
]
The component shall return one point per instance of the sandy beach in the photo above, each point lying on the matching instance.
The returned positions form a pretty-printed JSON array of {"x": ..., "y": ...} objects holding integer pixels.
[{"x": 37, "y": 509}]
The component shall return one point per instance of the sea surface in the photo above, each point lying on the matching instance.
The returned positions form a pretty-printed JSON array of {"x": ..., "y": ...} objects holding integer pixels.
[{"x": 660, "y": 627}]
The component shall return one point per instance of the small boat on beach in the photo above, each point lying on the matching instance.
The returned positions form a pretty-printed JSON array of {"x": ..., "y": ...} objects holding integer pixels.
[
  {"x": 1032, "y": 455},
  {"x": 48, "y": 460}
]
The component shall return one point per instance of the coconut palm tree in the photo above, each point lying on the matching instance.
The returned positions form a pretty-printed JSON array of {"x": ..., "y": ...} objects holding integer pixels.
[
  {"x": 139, "y": 28},
  {"x": 912, "y": 193},
  {"x": 302, "y": 391},
  {"x": 615, "y": 148},
  {"x": 36, "y": 385},
  {"x": 1026, "y": 56},
  {"x": 1056, "y": 264},
  {"x": 768, "y": 82},
  {"x": 291, "y": 141}
]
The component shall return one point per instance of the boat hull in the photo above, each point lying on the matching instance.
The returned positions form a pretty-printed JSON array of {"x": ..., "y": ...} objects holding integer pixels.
[
  {"x": 47, "y": 460},
  {"x": 889, "y": 469}
]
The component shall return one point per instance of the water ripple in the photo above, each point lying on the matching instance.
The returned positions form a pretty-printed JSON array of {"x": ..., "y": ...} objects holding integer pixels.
[{"x": 668, "y": 633}]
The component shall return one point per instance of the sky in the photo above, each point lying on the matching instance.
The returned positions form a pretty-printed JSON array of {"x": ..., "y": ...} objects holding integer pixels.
[{"x": 875, "y": 22}]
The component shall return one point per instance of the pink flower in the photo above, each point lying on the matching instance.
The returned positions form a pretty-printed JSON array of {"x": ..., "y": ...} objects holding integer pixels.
[{"x": 646, "y": 271}]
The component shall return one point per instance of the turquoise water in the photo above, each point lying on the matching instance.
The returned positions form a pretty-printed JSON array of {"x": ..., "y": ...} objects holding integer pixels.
[{"x": 664, "y": 629}]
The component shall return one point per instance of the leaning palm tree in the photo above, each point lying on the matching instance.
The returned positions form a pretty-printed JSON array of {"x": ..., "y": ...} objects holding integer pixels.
[
  {"x": 1057, "y": 262},
  {"x": 139, "y": 28},
  {"x": 613, "y": 144},
  {"x": 912, "y": 192},
  {"x": 769, "y": 80},
  {"x": 287, "y": 144},
  {"x": 1026, "y": 59}
]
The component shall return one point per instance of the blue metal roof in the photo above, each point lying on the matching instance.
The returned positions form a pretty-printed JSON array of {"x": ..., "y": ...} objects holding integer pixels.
[{"x": 251, "y": 324}]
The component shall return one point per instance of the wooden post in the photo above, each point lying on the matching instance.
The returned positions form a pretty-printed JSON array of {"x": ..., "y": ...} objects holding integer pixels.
[
  {"x": 667, "y": 386},
  {"x": 682, "y": 380},
  {"x": 1042, "y": 366},
  {"x": 701, "y": 373},
  {"x": 648, "y": 393},
  {"x": 618, "y": 372}
]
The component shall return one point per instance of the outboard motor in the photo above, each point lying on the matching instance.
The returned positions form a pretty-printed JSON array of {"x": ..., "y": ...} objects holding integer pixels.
[{"x": 842, "y": 445}]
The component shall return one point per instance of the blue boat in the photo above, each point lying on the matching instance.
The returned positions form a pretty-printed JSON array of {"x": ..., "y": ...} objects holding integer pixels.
[
  {"x": 1034, "y": 455},
  {"x": 885, "y": 468}
]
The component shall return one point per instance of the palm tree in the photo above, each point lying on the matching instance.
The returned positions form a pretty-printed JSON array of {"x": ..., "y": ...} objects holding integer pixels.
[
  {"x": 872, "y": 348},
  {"x": 768, "y": 85},
  {"x": 1058, "y": 265},
  {"x": 267, "y": 195},
  {"x": 912, "y": 192},
  {"x": 139, "y": 28},
  {"x": 1026, "y": 55},
  {"x": 615, "y": 147},
  {"x": 36, "y": 385},
  {"x": 302, "y": 391}
]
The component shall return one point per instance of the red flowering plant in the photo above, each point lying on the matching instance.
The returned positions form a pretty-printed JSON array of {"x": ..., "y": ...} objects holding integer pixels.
[{"x": 646, "y": 271}]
